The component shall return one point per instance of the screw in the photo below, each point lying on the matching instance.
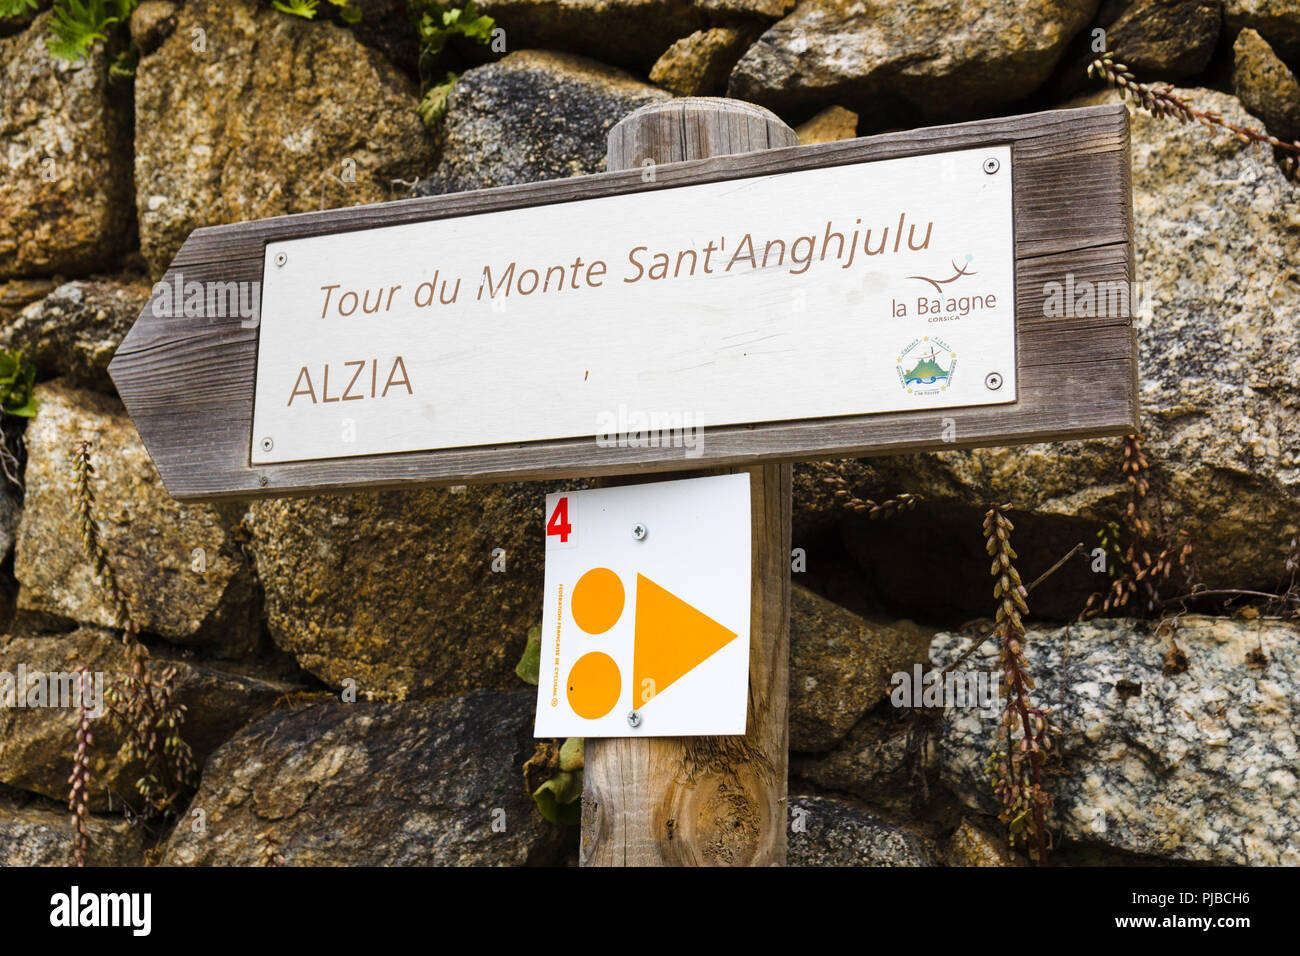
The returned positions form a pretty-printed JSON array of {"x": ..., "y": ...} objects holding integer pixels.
[
  {"x": 991, "y": 165},
  {"x": 639, "y": 532},
  {"x": 633, "y": 719},
  {"x": 263, "y": 481},
  {"x": 993, "y": 381},
  {"x": 281, "y": 258},
  {"x": 267, "y": 444}
]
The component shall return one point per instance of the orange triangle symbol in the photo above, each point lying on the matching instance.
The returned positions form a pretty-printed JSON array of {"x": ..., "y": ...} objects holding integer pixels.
[{"x": 671, "y": 638}]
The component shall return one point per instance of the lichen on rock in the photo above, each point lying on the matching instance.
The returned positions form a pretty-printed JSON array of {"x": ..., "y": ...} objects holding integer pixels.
[
  {"x": 181, "y": 564},
  {"x": 395, "y": 590},
  {"x": 530, "y": 117},
  {"x": 75, "y": 329},
  {"x": 260, "y": 114},
  {"x": 412, "y": 784},
  {"x": 895, "y": 62},
  {"x": 65, "y": 143}
]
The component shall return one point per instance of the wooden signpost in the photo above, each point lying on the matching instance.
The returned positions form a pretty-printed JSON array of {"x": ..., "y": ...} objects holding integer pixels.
[{"x": 950, "y": 287}]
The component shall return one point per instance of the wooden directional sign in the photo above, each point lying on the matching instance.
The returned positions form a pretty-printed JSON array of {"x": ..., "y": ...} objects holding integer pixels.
[{"x": 954, "y": 286}]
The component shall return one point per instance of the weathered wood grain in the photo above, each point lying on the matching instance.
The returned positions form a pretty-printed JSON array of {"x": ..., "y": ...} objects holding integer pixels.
[
  {"x": 188, "y": 382},
  {"x": 692, "y": 801}
]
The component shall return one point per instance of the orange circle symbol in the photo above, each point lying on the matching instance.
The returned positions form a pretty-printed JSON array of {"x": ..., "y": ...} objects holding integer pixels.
[
  {"x": 594, "y": 685},
  {"x": 597, "y": 601}
]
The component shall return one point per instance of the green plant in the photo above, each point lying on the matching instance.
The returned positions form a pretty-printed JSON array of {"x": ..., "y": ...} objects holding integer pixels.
[
  {"x": 17, "y": 382},
  {"x": 1015, "y": 766},
  {"x": 433, "y": 104},
  {"x": 559, "y": 798},
  {"x": 529, "y": 666},
  {"x": 441, "y": 27},
  {"x": 142, "y": 705},
  {"x": 307, "y": 9},
  {"x": 439, "y": 23},
  {"x": 122, "y": 67},
  {"x": 77, "y": 25},
  {"x": 16, "y": 8},
  {"x": 17, "y": 399},
  {"x": 553, "y": 774},
  {"x": 1160, "y": 100}
]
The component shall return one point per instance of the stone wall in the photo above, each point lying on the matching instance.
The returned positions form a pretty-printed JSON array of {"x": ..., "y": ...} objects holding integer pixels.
[{"x": 347, "y": 662}]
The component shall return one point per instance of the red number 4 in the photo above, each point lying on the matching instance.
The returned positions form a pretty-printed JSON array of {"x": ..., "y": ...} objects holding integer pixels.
[{"x": 559, "y": 521}]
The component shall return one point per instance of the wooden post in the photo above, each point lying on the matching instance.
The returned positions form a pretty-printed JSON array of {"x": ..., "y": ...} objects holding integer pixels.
[{"x": 663, "y": 801}]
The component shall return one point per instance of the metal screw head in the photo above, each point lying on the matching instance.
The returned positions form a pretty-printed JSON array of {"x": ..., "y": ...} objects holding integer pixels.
[
  {"x": 639, "y": 531},
  {"x": 633, "y": 719},
  {"x": 993, "y": 381},
  {"x": 263, "y": 481},
  {"x": 991, "y": 165},
  {"x": 267, "y": 444},
  {"x": 281, "y": 258}
]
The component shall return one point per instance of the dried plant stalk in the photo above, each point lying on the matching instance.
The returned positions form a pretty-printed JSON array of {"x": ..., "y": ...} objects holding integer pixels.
[
  {"x": 1136, "y": 587},
  {"x": 872, "y": 509},
  {"x": 143, "y": 706},
  {"x": 1160, "y": 100},
  {"x": 79, "y": 780},
  {"x": 1016, "y": 765}
]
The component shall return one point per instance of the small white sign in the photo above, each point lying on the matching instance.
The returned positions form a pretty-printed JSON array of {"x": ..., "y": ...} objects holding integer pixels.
[
  {"x": 645, "y": 627},
  {"x": 846, "y": 290}
]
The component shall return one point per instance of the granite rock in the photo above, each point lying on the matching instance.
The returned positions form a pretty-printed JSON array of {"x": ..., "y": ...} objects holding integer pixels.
[
  {"x": 37, "y": 743},
  {"x": 900, "y": 63},
  {"x": 1277, "y": 21},
  {"x": 152, "y": 22},
  {"x": 826, "y": 831},
  {"x": 37, "y": 832},
  {"x": 436, "y": 783},
  {"x": 1166, "y": 38},
  {"x": 873, "y": 762},
  {"x": 17, "y": 294},
  {"x": 698, "y": 65},
  {"x": 65, "y": 143},
  {"x": 971, "y": 845},
  {"x": 1265, "y": 85},
  {"x": 395, "y": 590},
  {"x": 840, "y": 667},
  {"x": 274, "y": 114},
  {"x": 532, "y": 116},
  {"x": 1196, "y": 764},
  {"x": 74, "y": 331},
  {"x": 831, "y": 124},
  {"x": 181, "y": 564}
]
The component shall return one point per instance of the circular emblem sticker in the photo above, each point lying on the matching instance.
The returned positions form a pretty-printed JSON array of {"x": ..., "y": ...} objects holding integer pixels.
[{"x": 926, "y": 366}]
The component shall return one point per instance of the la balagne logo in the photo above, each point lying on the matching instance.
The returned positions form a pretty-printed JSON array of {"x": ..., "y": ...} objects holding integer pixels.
[
  {"x": 926, "y": 366},
  {"x": 944, "y": 305}
]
